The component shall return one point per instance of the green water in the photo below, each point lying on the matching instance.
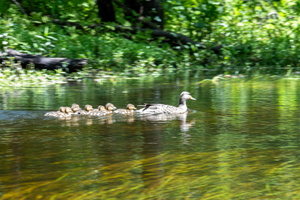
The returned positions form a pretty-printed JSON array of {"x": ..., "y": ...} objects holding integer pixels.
[{"x": 240, "y": 140}]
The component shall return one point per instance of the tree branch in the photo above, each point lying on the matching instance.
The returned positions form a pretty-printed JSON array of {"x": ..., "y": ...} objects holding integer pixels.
[
  {"x": 175, "y": 39},
  {"x": 20, "y": 7}
]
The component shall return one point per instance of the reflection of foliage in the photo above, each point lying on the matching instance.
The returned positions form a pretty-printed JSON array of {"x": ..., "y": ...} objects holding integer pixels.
[{"x": 243, "y": 146}]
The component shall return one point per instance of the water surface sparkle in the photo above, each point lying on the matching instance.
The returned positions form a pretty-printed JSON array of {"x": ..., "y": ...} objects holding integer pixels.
[{"x": 240, "y": 140}]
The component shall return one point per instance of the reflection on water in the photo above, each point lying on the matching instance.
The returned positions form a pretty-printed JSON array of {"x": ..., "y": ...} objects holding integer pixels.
[
  {"x": 240, "y": 140},
  {"x": 77, "y": 120},
  {"x": 207, "y": 175},
  {"x": 182, "y": 118}
]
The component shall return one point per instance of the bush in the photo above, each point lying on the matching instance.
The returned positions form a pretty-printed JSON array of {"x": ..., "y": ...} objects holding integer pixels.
[{"x": 252, "y": 34}]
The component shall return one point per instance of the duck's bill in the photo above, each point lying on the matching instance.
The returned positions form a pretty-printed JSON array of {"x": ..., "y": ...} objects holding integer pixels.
[{"x": 192, "y": 98}]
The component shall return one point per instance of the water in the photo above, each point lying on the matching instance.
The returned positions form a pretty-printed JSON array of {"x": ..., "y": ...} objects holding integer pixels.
[{"x": 240, "y": 140}]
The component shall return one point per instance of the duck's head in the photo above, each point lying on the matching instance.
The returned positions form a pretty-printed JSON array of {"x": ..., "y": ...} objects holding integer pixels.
[
  {"x": 88, "y": 107},
  {"x": 62, "y": 109},
  {"x": 75, "y": 107},
  {"x": 68, "y": 110},
  {"x": 186, "y": 95},
  {"x": 101, "y": 108},
  {"x": 131, "y": 107},
  {"x": 110, "y": 107}
]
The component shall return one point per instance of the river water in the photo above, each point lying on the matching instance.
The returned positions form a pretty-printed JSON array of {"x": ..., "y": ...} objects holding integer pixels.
[{"x": 240, "y": 140}]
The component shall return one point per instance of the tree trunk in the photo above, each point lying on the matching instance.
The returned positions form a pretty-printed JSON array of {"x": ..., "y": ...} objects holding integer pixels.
[
  {"x": 40, "y": 62},
  {"x": 154, "y": 10},
  {"x": 106, "y": 11}
]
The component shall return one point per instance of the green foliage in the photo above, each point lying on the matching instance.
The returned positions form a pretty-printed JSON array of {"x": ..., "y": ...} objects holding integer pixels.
[
  {"x": 252, "y": 34},
  {"x": 259, "y": 33},
  {"x": 106, "y": 51},
  {"x": 193, "y": 18}
]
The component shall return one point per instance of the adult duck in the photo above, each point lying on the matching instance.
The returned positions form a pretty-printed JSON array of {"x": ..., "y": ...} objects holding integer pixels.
[
  {"x": 129, "y": 110},
  {"x": 168, "y": 109}
]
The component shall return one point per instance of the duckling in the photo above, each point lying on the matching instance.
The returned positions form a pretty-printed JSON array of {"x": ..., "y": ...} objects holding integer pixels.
[
  {"x": 75, "y": 108},
  {"x": 87, "y": 110},
  {"x": 168, "y": 109},
  {"x": 63, "y": 112},
  {"x": 100, "y": 108},
  {"x": 110, "y": 108},
  {"x": 129, "y": 110},
  {"x": 68, "y": 112},
  {"x": 56, "y": 113},
  {"x": 100, "y": 111}
]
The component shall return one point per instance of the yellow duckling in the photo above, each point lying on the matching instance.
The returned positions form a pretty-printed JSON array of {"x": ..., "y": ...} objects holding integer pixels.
[
  {"x": 100, "y": 111},
  {"x": 87, "y": 110},
  {"x": 63, "y": 112},
  {"x": 110, "y": 108},
  {"x": 68, "y": 112},
  {"x": 129, "y": 110},
  {"x": 56, "y": 113},
  {"x": 75, "y": 108}
]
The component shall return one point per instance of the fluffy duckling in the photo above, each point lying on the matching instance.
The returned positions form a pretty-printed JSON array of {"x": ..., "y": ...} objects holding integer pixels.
[
  {"x": 63, "y": 112},
  {"x": 110, "y": 108},
  {"x": 104, "y": 110},
  {"x": 100, "y": 111},
  {"x": 168, "y": 109},
  {"x": 56, "y": 113},
  {"x": 75, "y": 108},
  {"x": 68, "y": 112},
  {"x": 87, "y": 110},
  {"x": 129, "y": 110},
  {"x": 101, "y": 108}
]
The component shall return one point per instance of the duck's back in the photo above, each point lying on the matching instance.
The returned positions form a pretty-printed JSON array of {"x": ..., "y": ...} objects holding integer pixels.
[{"x": 161, "y": 108}]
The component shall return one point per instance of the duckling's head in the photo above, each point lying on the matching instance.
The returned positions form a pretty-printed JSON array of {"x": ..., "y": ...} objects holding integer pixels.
[
  {"x": 68, "y": 110},
  {"x": 131, "y": 107},
  {"x": 88, "y": 107},
  {"x": 62, "y": 109},
  {"x": 101, "y": 108},
  {"x": 75, "y": 107},
  {"x": 110, "y": 107}
]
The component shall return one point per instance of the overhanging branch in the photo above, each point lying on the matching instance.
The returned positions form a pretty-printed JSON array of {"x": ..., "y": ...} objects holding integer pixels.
[{"x": 170, "y": 37}]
